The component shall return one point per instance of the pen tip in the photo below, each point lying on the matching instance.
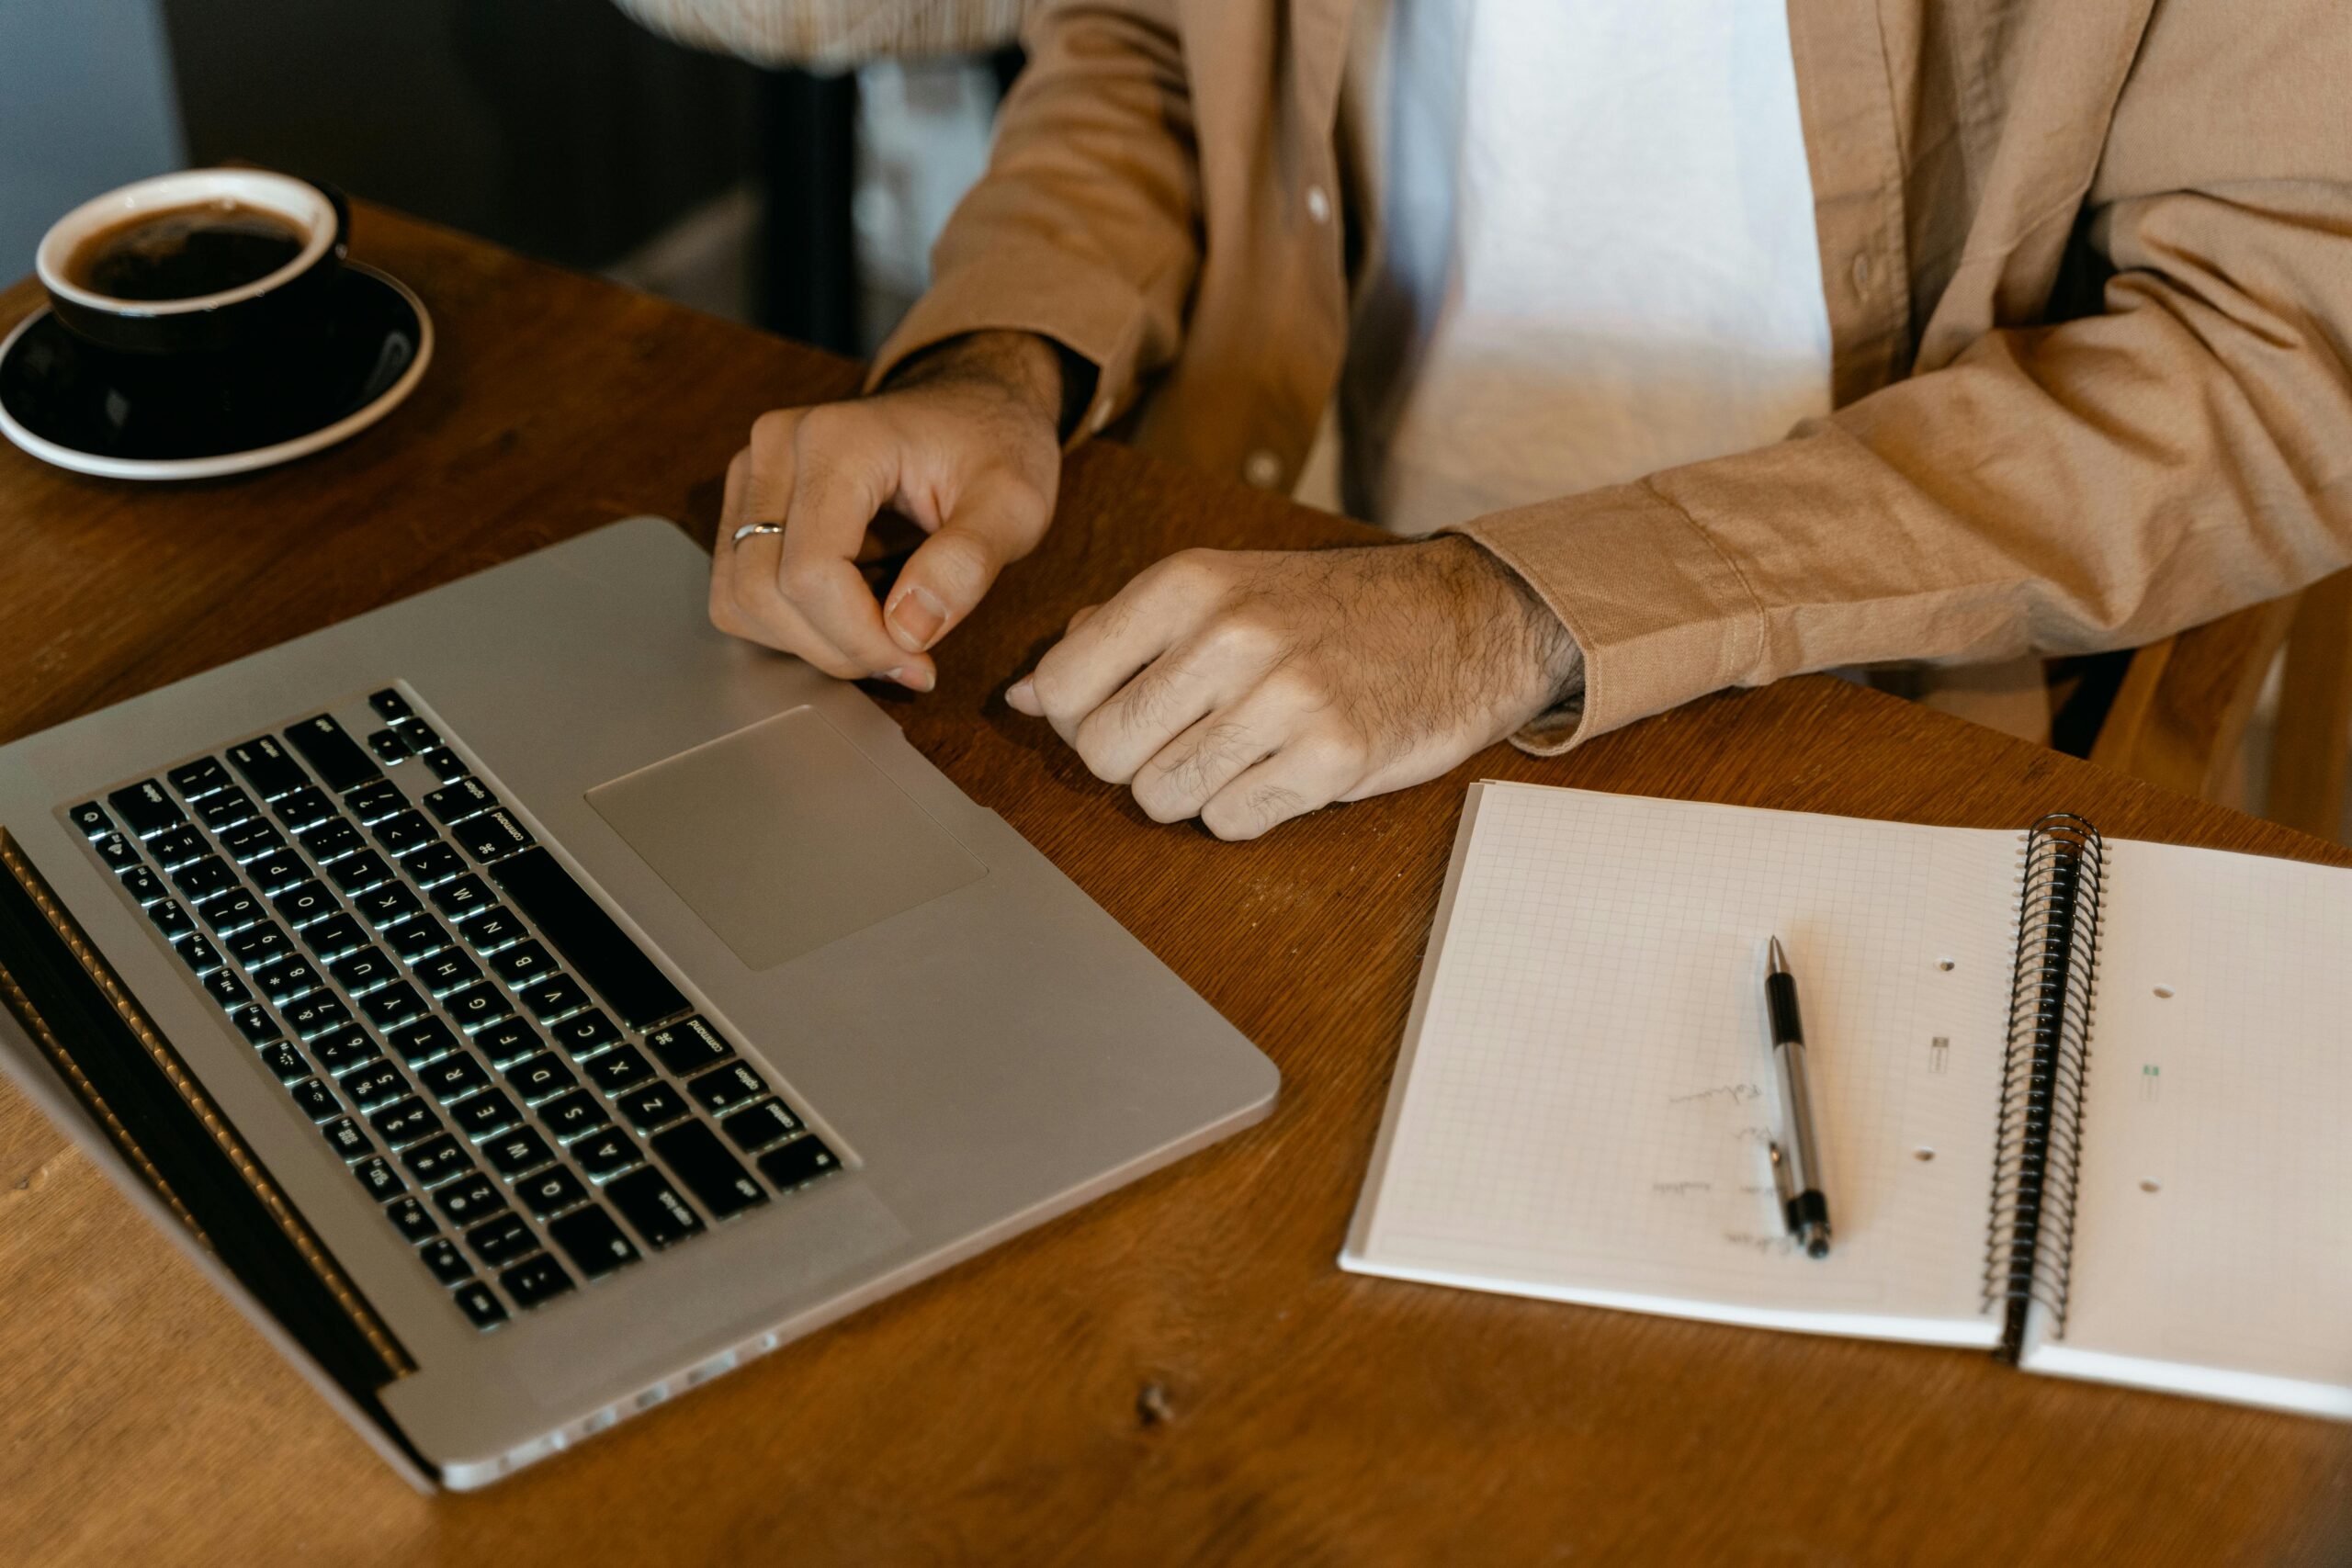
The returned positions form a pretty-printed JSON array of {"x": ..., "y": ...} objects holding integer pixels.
[{"x": 1780, "y": 960}]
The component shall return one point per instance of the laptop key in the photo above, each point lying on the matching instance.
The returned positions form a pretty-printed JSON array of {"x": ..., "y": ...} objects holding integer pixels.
[
  {"x": 388, "y": 746},
  {"x": 432, "y": 862},
  {"x": 403, "y": 831},
  {"x": 553, "y": 997},
  {"x": 230, "y": 911},
  {"x": 317, "y": 1013},
  {"x": 465, "y": 798},
  {"x": 605, "y": 1153},
  {"x": 461, "y": 896},
  {"x": 591, "y": 940},
  {"x": 754, "y": 1128},
  {"x": 476, "y": 1006},
  {"x": 268, "y": 768},
  {"x": 500, "y": 1239},
  {"x": 411, "y": 1218},
  {"x": 227, "y": 809},
  {"x": 404, "y": 1121},
  {"x": 301, "y": 808},
  {"x": 170, "y": 917},
  {"x": 274, "y": 873},
  {"x": 493, "y": 929},
  {"x": 141, "y": 883},
  {"x": 146, "y": 808},
  {"x": 252, "y": 1021},
  {"x": 92, "y": 819},
  {"x": 468, "y": 1199},
  {"x": 388, "y": 1007},
  {"x": 118, "y": 851},
  {"x": 570, "y": 1115},
  {"x": 377, "y": 798},
  {"x": 551, "y": 1191},
  {"x": 802, "y": 1160},
  {"x": 537, "y": 1078},
  {"x": 376, "y": 1175},
  {"x": 288, "y": 978},
  {"x": 364, "y": 970},
  {"x": 333, "y": 754},
  {"x": 387, "y": 905},
  {"x": 454, "y": 1077},
  {"x": 653, "y": 1208},
  {"x": 227, "y": 987},
  {"x": 535, "y": 1282},
  {"x": 585, "y": 1033},
  {"x": 508, "y": 1041},
  {"x": 436, "y": 1160},
  {"x": 200, "y": 879},
  {"x": 330, "y": 839},
  {"x": 306, "y": 901},
  {"x": 414, "y": 733},
  {"x": 621, "y": 1069},
  {"x": 727, "y": 1089},
  {"x": 448, "y": 1265},
  {"x": 447, "y": 765},
  {"x": 201, "y": 956},
  {"x": 197, "y": 779},
  {"x": 340, "y": 1050},
  {"x": 655, "y": 1105},
  {"x": 423, "y": 1041},
  {"x": 345, "y": 1138},
  {"x": 485, "y": 1116},
  {"x": 418, "y": 935},
  {"x": 445, "y": 971},
  {"x": 377, "y": 1083},
  {"x": 687, "y": 1048},
  {"x": 389, "y": 704},
  {"x": 177, "y": 845},
  {"x": 519, "y": 1152},
  {"x": 593, "y": 1242},
  {"x": 250, "y": 841},
  {"x": 493, "y": 835},
  {"x": 316, "y": 1100},
  {"x": 357, "y": 873},
  {"x": 334, "y": 935},
  {"x": 520, "y": 964},
  {"x": 283, "y": 1062},
  {"x": 715, "y": 1178},
  {"x": 480, "y": 1303}
]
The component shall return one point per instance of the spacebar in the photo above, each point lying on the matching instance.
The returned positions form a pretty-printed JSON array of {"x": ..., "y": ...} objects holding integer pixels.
[{"x": 598, "y": 948}]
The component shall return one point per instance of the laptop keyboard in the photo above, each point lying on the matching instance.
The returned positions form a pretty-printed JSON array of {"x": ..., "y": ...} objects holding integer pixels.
[{"x": 530, "y": 1099}]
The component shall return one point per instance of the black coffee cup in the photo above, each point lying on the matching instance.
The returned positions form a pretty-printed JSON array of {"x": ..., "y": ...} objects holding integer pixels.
[{"x": 279, "y": 310}]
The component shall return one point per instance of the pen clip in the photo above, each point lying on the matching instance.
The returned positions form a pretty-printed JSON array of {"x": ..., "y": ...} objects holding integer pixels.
[{"x": 1783, "y": 1183}]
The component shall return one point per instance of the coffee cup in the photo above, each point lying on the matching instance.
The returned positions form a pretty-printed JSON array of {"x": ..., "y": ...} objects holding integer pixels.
[{"x": 207, "y": 261}]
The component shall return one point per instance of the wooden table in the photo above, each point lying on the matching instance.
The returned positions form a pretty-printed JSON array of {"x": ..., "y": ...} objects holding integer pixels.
[{"x": 1177, "y": 1373}]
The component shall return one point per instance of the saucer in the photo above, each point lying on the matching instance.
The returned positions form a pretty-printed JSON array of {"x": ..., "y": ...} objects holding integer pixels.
[{"x": 126, "y": 418}]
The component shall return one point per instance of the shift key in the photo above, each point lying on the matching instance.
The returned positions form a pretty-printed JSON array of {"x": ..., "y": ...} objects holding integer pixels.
[{"x": 710, "y": 1173}]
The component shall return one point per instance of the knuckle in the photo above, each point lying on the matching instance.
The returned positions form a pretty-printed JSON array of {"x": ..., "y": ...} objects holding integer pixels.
[
  {"x": 775, "y": 428},
  {"x": 801, "y": 578}
]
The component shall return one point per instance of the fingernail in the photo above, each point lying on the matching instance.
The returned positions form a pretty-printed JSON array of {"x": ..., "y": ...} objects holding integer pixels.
[
  {"x": 1023, "y": 696},
  {"x": 913, "y": 677},
  {"x": 915, "y": 615}
]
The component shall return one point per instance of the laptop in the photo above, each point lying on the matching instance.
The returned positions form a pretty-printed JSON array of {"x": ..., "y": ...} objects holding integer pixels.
[{"x": 527, "y": 1002}]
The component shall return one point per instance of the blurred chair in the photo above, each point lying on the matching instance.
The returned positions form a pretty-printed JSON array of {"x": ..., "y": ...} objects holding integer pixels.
[
  {"x": 809, "y": 124},
  {"x": 2179, "y": 716}
]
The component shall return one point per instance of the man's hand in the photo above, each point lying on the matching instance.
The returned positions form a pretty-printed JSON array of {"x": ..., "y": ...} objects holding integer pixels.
[
  {"x": 963, "y": 443},
  {"x": 1246, "y": 688}
]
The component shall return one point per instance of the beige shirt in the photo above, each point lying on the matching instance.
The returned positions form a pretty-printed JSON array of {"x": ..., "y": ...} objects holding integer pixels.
[{"x": 2088, "y": 266}]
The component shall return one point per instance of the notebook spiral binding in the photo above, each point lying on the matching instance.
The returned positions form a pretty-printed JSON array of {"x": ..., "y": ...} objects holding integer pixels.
[{"x": 2037, "y": 1154}]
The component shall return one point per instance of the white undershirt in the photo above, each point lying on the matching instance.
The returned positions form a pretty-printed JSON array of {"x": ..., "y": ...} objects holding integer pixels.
[{"x": 1596, "y": 253}]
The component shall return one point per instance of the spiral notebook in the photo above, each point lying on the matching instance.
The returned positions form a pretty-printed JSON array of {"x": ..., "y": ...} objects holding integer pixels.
[{"x": 2087, "y": 1101}]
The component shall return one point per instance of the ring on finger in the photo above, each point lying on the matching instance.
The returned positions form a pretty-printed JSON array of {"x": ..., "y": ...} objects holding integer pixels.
[{"x": 749, "y": 529}]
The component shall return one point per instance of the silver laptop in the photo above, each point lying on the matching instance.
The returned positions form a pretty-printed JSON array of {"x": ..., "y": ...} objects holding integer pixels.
[{"x": 527, "y": 1002}]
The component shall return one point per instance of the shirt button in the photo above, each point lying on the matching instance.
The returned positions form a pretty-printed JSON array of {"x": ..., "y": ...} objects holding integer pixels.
[
  {"x": 1862, "y": 273},
  {"x": 1318, "y": 204},
  {"x": 1263, "y": 469}
]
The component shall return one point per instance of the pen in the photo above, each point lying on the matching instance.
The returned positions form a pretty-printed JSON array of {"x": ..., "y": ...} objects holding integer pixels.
[{"x": 1796, "y": 1164}]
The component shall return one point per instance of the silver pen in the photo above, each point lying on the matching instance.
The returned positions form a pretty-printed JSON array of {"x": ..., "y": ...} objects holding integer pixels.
[{"x": 1796, "y": 1163}]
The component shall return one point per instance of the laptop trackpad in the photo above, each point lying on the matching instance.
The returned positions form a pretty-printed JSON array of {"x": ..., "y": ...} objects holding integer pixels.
[{"x": 783, "y": 837}]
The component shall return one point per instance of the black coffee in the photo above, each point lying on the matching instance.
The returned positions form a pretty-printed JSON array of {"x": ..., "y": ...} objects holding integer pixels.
[{"x": 181, "y": 252}]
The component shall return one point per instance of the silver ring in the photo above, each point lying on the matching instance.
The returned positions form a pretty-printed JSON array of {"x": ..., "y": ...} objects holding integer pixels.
[{"x": 747, "y": 529}]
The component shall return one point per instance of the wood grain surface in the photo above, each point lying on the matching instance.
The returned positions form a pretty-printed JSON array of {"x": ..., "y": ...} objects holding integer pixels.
[{"x": 1177, "y": 1373}]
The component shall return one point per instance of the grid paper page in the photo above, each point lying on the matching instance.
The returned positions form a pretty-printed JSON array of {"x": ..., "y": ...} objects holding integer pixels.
[
  {"x": 1590, "y": 1088},
  {"x": 2214, "y": 1228}
]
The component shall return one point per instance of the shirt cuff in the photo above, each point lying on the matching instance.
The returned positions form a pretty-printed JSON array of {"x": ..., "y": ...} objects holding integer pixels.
[
  {"x": 1091, "y": 312},
  {"x": 1661, "y": 614}
]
